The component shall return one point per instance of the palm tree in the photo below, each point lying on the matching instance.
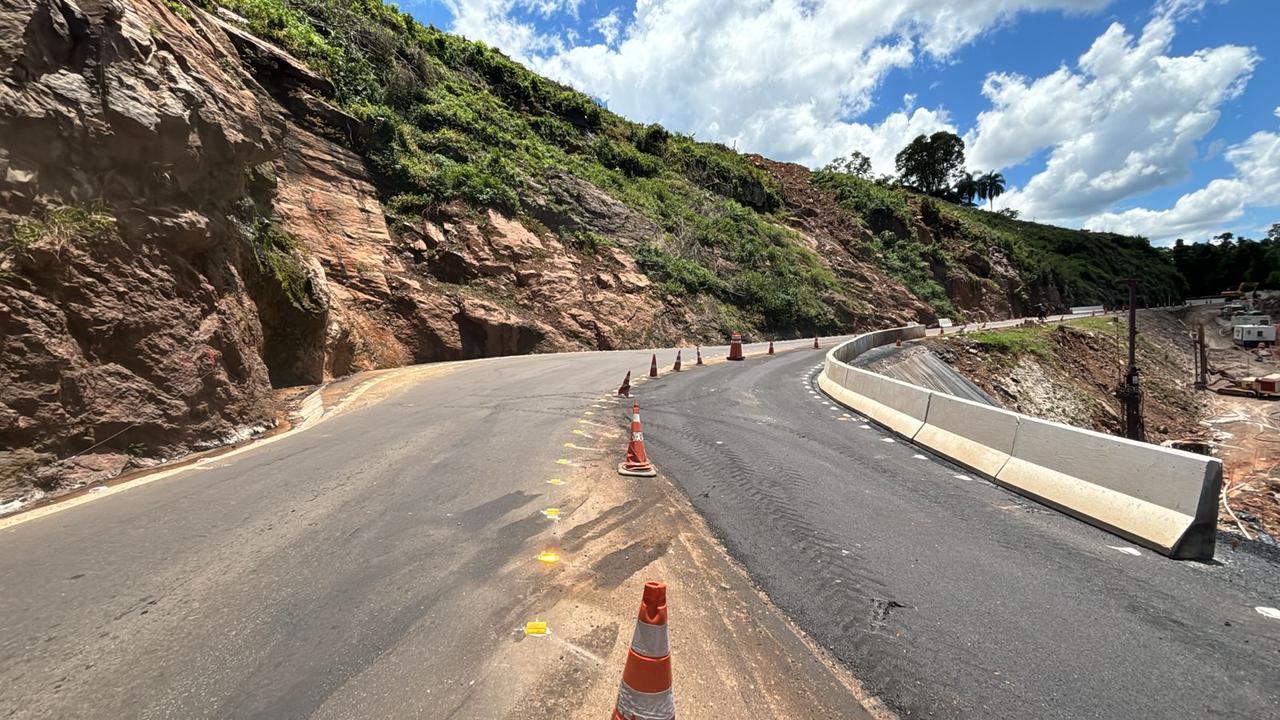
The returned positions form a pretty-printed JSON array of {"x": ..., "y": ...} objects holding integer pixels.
[
  {"x": 967, "y": 188},
  {"x": 992, "y": 187}
]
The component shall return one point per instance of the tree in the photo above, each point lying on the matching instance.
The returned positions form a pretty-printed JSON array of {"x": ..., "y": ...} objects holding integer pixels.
[
  {"x": 857, "y": 164},
  {"x": 967, "y": 188},
  {"x": 990, "y": 187},
  {"x": 1274, "y": 233},
  {"x": 931, "y": 163}
]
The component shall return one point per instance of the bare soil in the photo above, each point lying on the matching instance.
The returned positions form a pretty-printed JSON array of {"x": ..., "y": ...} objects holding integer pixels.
[{"x": 1073, "y": 376}]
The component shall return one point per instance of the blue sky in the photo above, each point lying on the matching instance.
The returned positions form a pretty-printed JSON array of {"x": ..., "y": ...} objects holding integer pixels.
[{"x": 1170, "y": 127}]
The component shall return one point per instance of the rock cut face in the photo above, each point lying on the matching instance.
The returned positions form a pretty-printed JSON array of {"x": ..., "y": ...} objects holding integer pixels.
[
  {"x": 192, "y": 236},
  {"x": 125, "y": 325}
]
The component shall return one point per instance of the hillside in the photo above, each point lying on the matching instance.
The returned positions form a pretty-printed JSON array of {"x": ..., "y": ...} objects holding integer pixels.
[
  {"x": 203, "y": 202},
  {"x": 1068, "y": 371}
]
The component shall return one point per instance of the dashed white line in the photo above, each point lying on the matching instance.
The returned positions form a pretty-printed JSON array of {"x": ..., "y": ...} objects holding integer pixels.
[
  {"x": 888, "y": 440},
  {"x": 1269, "y": 612},
  {"x": 1126, "y": 550}
]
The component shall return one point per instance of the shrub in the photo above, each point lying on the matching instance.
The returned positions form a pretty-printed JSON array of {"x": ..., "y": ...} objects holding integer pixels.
[
  {"x": 53, "y": 228},
  {"x": 274, "y": 254}
]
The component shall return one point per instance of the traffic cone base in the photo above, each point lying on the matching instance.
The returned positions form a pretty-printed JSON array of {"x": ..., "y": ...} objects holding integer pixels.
[{"x": 646, "y": 471}]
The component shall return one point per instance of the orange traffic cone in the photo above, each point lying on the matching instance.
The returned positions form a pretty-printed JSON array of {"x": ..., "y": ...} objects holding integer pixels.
[
  {"x": 815, "y": 342},
  {"x": 637, "y": 463},
  {"x": 770, "y": 347},
  {"x": 898, "y": 343},
  {"x": 699, "y": 356},
  {"x": 645, "y": 692},
  {"x": 735, "y": 347},
  {"x": 653, "y": 366},
  {"x": 625, "y": 390},
  {"x": 676, "y": 367}
]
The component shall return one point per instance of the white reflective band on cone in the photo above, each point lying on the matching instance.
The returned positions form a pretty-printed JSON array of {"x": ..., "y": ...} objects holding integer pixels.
[
  {"x": 635, "y": 418},
  {"x": 651, "y": 640},
  {"x": 637, "y": 437},
  {"x": 646, "y": 706}
]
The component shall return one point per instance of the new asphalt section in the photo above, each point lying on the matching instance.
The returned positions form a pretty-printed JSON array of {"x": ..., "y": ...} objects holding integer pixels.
[
  {"x": 377, "y": 565},
  {"x": 948, "y": 596}
]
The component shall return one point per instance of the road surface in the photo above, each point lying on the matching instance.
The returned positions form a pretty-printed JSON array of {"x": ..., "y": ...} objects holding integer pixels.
[
  {"x": 947, "y": 595},
  {"x": 382, "y": 564}
]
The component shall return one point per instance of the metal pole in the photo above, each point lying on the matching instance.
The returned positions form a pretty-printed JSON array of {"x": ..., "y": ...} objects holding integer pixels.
[
  {"x": 1202, "y": 355},
  {"x": 1129, "y": 393}
]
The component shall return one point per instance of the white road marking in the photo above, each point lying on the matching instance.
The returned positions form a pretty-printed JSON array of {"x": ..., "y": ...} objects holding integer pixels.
[
  {"x": 1126, "y": 550},
  {"x": 918, "y": 456},
  {"x": 865, "y": 427},
  {"x": 965, "y": 478},
  {"x": 1269, "y": 612},
  {"x": 889, "y": 440}
]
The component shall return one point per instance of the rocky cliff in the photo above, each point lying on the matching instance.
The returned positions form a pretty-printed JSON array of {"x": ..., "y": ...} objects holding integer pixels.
[{"x": 200, "y": 202}]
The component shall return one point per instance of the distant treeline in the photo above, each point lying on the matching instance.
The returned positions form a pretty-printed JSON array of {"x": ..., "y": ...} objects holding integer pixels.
[{"x": 1227, "y": 261}]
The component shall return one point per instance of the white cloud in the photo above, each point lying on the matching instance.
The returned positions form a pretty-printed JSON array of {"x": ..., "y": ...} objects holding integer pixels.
[
  {"x": 492, "y": 21},
  {"x": 1256, "y": 183},
  {"x": 1276, "y": 112},
  {"x": 786, "y": 78},
  {"x": 1124, "y": 122},
  {"x": 609, "y": 27}
]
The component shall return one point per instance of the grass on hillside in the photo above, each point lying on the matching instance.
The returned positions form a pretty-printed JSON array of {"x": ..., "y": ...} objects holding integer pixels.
[
  {"x": 1034, "y": 339},
  {"x": 450, "y": 119},
  {"x": 446, "y": 119},
  {"x": 1085, "y": 267}
]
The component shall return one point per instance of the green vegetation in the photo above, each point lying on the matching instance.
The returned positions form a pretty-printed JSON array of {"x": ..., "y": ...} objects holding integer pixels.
[
  {"x": 1035, "y": 339},
  {"x": 443, "y": 119},
  {"x": 909, "y": 262},
  {"x": 275, "y": 256},
  {"x": 880, "y": 206},
  {"x": 1084, "y": 267},
  {"x": 588, "y": 241},
  {"x": 931, "y": 163},
  {"x": 53, "y": 228},
  {"x": 448, "y": 120},
  {"x": 1014, "y": 341},
  {"x": 1211, "y": 267}
]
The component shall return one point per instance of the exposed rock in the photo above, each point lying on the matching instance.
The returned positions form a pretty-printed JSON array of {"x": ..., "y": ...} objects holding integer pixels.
[{"x": 574, "y": 203}]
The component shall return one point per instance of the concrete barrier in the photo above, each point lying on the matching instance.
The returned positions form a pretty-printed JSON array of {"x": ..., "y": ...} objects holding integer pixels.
[
  {"x": 897, "y": 405},
  {"x": 1159, "y": 497},
  {"x": 1162, "y": 498},
  {"x": 977, "y": 436}
]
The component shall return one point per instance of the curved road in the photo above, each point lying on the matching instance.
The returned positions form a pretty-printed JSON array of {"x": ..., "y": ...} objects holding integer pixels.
[
  {"x": 947, "y": 595},
  {"x": 380, "y": 564}
]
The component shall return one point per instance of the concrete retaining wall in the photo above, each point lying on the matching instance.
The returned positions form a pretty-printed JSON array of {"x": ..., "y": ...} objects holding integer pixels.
[{"x": 1162, "y": 498}]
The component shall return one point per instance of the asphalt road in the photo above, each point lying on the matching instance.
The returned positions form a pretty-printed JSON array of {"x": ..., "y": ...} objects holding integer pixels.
[
  {"x": 946, "y": 595},
  {"x": 378, "y": 565}
]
